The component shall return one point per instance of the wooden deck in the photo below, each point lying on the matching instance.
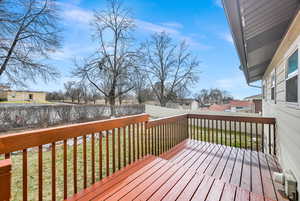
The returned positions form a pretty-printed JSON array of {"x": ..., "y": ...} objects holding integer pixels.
[{"x": 192, "y": 170}]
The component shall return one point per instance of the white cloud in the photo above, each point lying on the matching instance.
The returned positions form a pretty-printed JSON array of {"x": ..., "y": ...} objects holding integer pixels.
[
  {"x": 218, "y": 3},
  {"x": 151, "y": 27},
  {"x": 227, "y": 37},
  {"x": 174, "y": 32},
  {"x": 175, "y": 25},
  {"x": 78, "y": 15}
]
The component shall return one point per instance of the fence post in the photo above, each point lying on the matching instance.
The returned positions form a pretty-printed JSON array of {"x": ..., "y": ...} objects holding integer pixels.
[{"x": 5, "y": 179}]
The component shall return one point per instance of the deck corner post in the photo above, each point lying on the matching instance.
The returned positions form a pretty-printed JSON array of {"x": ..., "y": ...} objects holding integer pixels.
[{"x": 5, "y": 179}]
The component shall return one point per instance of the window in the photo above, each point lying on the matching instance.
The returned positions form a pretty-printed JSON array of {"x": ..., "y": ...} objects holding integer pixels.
[
  {"x": 264, "y": 90},
  {"x": 292, "y": 78},
  {"x": 273, "y": 86},
  {"x": 30, "y": 96}
]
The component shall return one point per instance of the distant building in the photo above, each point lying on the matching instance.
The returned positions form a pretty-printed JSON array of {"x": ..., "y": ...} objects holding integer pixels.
[
  {"x": 234, "y": 106},
  {"x": 6, "y": 94}
]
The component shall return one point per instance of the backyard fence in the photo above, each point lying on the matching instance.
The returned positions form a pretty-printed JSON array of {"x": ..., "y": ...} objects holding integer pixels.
[{"x": 26, "y": 116}]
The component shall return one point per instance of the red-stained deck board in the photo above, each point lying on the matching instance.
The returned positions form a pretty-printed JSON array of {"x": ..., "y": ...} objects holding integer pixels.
[
  {"x": 147, "y": 161},
  {"x": 237, "y": 170},
  {"x": 123, "y": 188}
]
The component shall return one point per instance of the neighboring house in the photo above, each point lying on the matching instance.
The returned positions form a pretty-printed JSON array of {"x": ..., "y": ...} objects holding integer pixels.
[
  {"x": 234, "y": 106},
  {"x": 257, "y": 100},
  {"x": 16, "y": 95},
  {"x": 267, "y": 40},
  {"x": 187, "y": 103}
]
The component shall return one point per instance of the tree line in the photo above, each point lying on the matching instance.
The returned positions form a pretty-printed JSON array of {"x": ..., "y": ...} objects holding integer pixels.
[{"x": 159, "y": 67}]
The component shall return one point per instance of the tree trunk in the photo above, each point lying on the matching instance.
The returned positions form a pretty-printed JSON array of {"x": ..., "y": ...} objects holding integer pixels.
[{"x": 112, "y": 105}]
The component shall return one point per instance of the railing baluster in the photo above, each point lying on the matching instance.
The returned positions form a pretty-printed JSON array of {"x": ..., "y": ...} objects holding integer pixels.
[
  {"x": 75, "y": 164},
  {"x": 65, "y": 169},
  {"x": 40, "y": 167},
  {"x": 93, "y": 157},
  {"x": 143, "y": 139},
  {"x": 256, "y": 132},
  {"x": 100, "y": 155},
  {"x": 119, "y": 148},
  {"x": 138, "y": 140},
  {"x": 217, "y": 131},
  {"x": 240, "y": 130},
  {"x": 269, "y": 140},
  {"x": 230, "y": 133},
  {"x": 129, "y": 144},
  {"x": 235, "y": 133},
  {"x": 7, "y": 155},
  {"x": 221, "y": 131},
  {"x": 113, "y": 150},
  {"x": 251, "y": 134},
  {"x": 84, "y": 162},
  {"x": 53, "y": 171},
  {"x": 225, "y": 133},
  {"x": 274, "y": 139},
  {"x": 133, "y": 141},
  {"x": 107, "y": 153},
  {"x": 245, "y": 134},
  {"x": 262, "y": 137},
  {"x": 124, "y": 145},
  {"x": 25, "y": 179}
]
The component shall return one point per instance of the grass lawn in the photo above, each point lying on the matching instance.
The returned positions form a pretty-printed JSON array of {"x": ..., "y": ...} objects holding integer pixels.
[{"x": 238, "y": 139}]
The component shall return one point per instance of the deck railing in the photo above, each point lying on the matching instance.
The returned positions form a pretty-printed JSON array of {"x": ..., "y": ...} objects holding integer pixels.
[
  {"x": 55, "y": 163},
  {"x": 255, "y": 133}
]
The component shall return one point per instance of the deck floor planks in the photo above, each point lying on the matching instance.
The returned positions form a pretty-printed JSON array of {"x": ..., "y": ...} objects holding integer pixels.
[
  {"x": 180, "y": 177},
  {"x": 190, "y": 189},
  {"x": 203, "y": 189},
  {"x": 228, "y": 192},
  {"x": 194, "y": 155},
  {"x": 202, "y": 158},
  {"x": 215, "y": 162},
  {"x": 192, "y": 148},
  {"x": 180, "y": 186},
  {"x": 246, "y": 174},
  {"x": 236, "y": 175},
  {"x": 216, "y": 192},
  {"x": 123, "y": 189},
  {"x": 227, "y": 175},
  {"x": 257, "y": 186},
  {"x": 124, "y": 182},
  {"x": 208, "y": 159},
  {"x": 267, "y": 179},
  {"x": 222, "y": 164},
  {"x": 242, "y": 195},
  {"x": 143, "y": 164},
  {"x": 169, "y": 178},
  {"x": 189, "y": 163}
]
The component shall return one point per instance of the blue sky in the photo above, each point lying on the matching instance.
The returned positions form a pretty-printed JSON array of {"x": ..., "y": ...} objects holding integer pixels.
[{"x": 201, "y": 23}]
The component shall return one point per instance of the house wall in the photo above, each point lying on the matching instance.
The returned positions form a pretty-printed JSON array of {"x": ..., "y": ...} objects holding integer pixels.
[
  {"x": 24, "y": 96},
  {"x": 287, "y": 114}
]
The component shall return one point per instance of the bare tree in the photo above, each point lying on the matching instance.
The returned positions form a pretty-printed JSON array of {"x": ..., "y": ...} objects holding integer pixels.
[
  {"x": 212, "y": 96},
  {"x": 28, "y": 34},
  {"x": 70, "y": 90},
  {"x": 170, "y": 67},
  {"x": 111, "y": 65}
]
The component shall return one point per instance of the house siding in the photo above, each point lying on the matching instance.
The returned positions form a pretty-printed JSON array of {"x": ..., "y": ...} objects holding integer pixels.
[{"x": 287, "y": 114}]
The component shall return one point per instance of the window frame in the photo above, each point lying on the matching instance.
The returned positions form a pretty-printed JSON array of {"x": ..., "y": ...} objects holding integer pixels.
[
  {"x": 290, "y": 76},
  {"x": 273, "y": 86}
]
